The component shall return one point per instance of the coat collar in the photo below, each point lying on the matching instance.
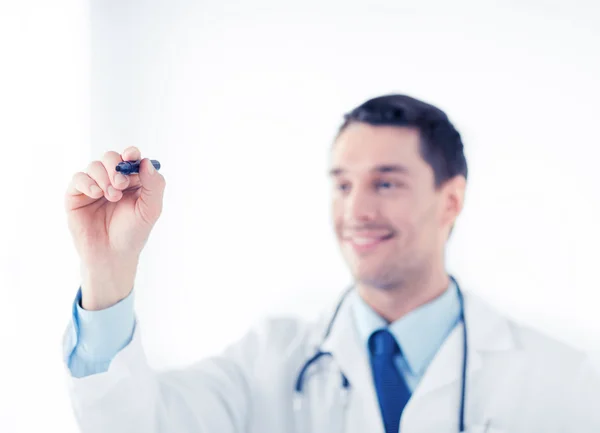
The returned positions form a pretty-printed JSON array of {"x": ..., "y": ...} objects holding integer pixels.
[
  {"x": 434, "y": 321},
  {"x": 487, "y": 331}
]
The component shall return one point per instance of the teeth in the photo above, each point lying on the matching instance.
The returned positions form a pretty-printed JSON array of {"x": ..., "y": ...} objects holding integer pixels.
[{"x": 365, "y": 241}]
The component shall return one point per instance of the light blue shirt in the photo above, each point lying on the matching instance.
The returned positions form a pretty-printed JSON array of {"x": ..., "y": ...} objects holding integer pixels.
[
  {"x": 96, "y": 337},
  {"x": 419, "y": 334}
]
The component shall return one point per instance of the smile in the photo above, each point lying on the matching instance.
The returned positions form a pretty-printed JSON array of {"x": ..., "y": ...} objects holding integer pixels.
[{"x": 363, "y": 244}]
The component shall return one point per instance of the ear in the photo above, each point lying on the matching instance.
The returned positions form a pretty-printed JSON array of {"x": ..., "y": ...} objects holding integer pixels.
[{"x": 453, "y": 198}]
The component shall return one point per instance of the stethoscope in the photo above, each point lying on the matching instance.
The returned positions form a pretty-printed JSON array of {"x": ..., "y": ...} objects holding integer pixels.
[{"x": 345, "y": 383}]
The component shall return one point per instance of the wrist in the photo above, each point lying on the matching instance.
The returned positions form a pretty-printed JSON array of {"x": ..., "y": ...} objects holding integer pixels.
[{"x": 106, "y": 285}]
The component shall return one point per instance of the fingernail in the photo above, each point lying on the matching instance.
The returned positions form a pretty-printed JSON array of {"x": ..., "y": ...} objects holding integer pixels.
[
  {"x": 151, "y": 169},
  {"x": 112, "y": 191},
  {"x": 119, "y": 178}
]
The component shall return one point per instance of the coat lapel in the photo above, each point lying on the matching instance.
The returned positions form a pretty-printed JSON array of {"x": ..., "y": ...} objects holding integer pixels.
[
  {"x": 438, "y": 390},
  {"x": 363, "y": 413},
  {"x": 486, "y": 332},
  {"x": 440, "y": 387}
]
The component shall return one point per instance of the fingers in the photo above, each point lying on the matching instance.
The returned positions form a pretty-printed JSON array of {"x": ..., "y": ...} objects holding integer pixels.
[
  {"x": 97, "y": 171},
  {"x": 102, "y": 180},
  {"x": 131, "y": 154},
  {"x": 117, "y": 180},
  {"x": 81, "y": 183},
  {"x": 152, "y": 191},
  {"x": 84, "y": 190}
]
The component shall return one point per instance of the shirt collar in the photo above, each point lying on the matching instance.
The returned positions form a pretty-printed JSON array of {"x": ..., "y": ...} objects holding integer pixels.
[{"x": 420, "y": 333}]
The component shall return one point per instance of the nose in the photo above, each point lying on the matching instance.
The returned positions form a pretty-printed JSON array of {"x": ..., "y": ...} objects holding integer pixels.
[{"x": 360, "y": 205}]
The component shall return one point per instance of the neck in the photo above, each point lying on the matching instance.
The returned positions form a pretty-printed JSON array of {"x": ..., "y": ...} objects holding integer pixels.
[{"x": 395, "y": 302}]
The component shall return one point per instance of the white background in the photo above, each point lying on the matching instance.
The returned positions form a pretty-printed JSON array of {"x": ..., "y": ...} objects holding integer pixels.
[{"x": 240, "y": 102}]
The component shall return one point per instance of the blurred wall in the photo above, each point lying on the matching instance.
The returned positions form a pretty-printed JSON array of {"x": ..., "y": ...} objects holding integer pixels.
[
  {"x": 44, "y": 139},
  {"x": 240, "y": 101}
]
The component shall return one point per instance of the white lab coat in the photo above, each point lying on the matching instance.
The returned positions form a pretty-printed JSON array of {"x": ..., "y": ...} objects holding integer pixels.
[{"x": 519, "y": 381}]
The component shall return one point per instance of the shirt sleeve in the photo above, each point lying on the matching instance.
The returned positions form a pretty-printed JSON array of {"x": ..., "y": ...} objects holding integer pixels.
[{"x": 98, "y": 336}]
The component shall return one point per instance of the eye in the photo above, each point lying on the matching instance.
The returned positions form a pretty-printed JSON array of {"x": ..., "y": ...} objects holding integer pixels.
[
  {"x": 386, "y": 185},
  {"x": 343, "y": 186}
]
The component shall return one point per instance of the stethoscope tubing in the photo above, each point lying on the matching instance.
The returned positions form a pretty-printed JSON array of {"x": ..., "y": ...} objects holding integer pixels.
[{"x": 319, "y": 353}]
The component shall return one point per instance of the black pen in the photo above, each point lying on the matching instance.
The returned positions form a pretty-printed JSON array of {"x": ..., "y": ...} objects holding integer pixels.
[{"x": 131, "y": 167}]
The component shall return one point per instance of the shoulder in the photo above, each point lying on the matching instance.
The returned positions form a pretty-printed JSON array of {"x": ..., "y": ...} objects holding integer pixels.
[
  {"x": 300, "y": 333},
  {"x": 577, "y": 366},
  {"x": 278, "y": 336},
  {"x": 536, "y": 342},
  {"x": 537, "y": 347},
  {"x": 555, "y": 379}
]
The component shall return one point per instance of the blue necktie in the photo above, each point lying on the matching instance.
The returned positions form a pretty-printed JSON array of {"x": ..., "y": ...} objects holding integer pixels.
[{"x": 392, "y": 391}]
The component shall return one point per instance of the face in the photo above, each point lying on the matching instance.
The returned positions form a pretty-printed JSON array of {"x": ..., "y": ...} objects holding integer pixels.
[{"x": 391, "y": 221}]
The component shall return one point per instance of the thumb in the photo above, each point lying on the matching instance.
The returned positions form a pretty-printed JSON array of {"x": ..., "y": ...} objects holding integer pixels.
[{"x": 150, "y": 201}]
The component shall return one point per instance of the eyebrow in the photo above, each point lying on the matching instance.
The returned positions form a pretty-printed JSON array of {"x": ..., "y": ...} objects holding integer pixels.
[{"x": 386, "y": 168}]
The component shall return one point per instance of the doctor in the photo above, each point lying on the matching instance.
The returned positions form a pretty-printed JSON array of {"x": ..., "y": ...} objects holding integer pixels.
[{"x": 405, "y": 349}]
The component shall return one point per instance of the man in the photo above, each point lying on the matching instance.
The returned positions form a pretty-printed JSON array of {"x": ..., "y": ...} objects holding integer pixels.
[{"x": 395, "y": 356}]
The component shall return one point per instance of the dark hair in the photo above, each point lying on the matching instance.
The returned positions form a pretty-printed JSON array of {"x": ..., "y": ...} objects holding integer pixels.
[{"x": 441, "y": 144}]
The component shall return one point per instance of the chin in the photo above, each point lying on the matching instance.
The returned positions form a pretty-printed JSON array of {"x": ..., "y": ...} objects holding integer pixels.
[
  {"x": 376, "y": 282},
  {"x": 378, "y": 278}
]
